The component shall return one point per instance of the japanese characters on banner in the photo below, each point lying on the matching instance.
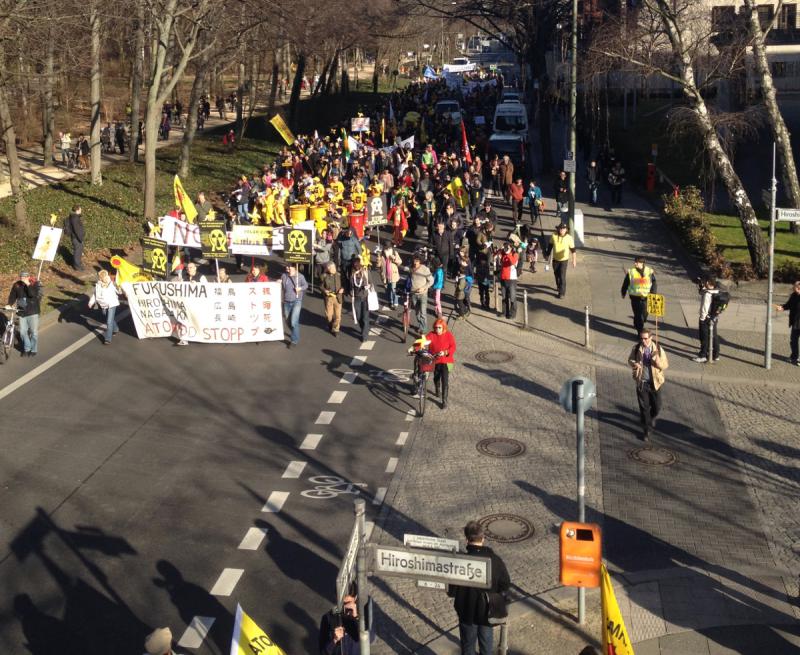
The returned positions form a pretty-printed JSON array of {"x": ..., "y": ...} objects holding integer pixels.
[
  {"x": 47, "y": 243},
  {"x": 377, "y": 211},
  {"x": 206, "y": 313},
  {"x": 213, "y": 239},
  {"x": 154, "y": 257}
]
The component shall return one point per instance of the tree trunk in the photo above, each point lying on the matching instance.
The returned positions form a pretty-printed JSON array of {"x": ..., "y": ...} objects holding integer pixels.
[
  {"x": 48, "y": 108},
  {"x": 322, "y": 77},
  {"x": 331, "y": 73},
  {"x": 376, "y": 72},
  {"x": 94, "y": 134},
  {"x": 9, "y": 135},
  {"x": 191, "y": 120},
  {"x": 276, "y": 72},
  {"x": 296, "y": 85},
  {"x": 240, "y": 80},
  {"x": 780, "y": 133},
  {"x": 137, "y": 64},
  {"x": 756, "y": 244}
]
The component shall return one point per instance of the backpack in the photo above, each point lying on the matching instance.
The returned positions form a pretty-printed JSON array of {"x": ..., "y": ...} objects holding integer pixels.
[{"x": 719, "y": 303}]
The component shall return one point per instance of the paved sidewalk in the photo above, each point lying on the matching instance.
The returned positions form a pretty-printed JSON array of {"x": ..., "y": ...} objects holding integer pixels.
[{"x": 698, "y": 547}]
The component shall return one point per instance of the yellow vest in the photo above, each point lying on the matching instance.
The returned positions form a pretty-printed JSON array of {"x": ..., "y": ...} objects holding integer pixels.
[{"x": 639, "y": 283}]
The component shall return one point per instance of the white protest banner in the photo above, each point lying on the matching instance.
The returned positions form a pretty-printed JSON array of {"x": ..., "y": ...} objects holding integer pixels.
[
  {"x": 179, "y": 233},
  {"x": 251, "y": 240},
  {"x": 359, "y": 124},
  {"x": 47, "y": 243},
  {"x": 206, "y": 313},
  {"x": 408, "y": 143}
]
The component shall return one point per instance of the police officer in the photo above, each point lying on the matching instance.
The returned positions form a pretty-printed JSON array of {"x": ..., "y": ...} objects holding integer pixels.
[{"x": 639, "y": 282}]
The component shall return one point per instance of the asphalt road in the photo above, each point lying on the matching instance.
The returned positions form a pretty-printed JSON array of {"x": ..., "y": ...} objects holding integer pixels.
[{"x": 131, "y": 475}]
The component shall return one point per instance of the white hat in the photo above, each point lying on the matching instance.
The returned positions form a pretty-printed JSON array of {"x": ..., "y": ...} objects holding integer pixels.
[{"x": 159, "y": 642}]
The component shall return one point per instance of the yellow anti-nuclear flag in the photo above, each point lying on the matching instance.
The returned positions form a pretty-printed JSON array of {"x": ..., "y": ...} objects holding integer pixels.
[
  {"x": 459, "y": 192},
  {"x": 615, "y": 637},
  {"x": 283, "y": 129},
  {"x": 127, "y": 272},
  {"x": 249, "y": 639},
  {"x": 183, "y": 201}
]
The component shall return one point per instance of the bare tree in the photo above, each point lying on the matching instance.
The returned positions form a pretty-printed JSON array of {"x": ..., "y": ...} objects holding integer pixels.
[
  {"x": 94, "y": 121},
  {"x": 137, "y": 66}
]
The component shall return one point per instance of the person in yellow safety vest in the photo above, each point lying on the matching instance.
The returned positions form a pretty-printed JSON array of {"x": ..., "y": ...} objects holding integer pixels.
[
  {"x": 357, "y": 196},
  {"x": 639, "y": 282},
  {"x": 337, "y": 188}
]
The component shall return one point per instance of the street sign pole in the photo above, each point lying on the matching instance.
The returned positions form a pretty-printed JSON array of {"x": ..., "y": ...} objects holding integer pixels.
[
  {"x": 359, "y": 507},
  {"x": 768, "y": 336},
  {"x": 577, "y": 400}
]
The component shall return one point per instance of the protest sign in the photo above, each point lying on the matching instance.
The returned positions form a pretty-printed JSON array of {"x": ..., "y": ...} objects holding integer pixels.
[
  {"x": 377, "y": 212},
  {"x": 179, "y": 233},
  {"x": 359, "y": 124},
  {"x": 253, "y": 240},
  {"x": 213, "y": 239},
  {"x": 206, "y": 313},
  {"x": 298, "y": 245},
  {"x": 154, "y": 257},
  {"x": 47, "y": 243},
  {"x": 283, "y": 129}
]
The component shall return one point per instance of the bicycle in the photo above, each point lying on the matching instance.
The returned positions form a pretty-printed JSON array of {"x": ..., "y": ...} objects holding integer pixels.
[
  {"x": 8, "y": 334},
  {"x": 406, "y": 314},
  {"x": 423, "y": 366}
]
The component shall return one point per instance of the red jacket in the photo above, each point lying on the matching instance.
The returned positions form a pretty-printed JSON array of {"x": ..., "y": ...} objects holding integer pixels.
[
  {"x": 442, "y": 342},
  {"x": 517, "y": 192},
  {"x": 508, "y": 262}
]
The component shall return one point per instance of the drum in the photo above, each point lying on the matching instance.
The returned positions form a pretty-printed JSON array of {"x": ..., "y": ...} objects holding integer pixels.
[{"x": 298, "y": 214}]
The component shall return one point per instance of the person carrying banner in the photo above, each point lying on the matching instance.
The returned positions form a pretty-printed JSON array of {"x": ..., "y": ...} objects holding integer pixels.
[
  {"x": 294, "y": 286},
  {"x": 106, "y": 297}
]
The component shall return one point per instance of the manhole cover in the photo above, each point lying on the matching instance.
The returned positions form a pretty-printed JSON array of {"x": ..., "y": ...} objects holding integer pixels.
[
  {"x": 653, "y": 456},
  {"x": 506, "y": 528},
  {"x": 494, "y": 356},
  {"x": 500, "y": 447}
]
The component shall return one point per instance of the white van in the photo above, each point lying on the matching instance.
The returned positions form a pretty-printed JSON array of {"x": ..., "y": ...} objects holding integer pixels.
[{"x": 511, "y": 117}]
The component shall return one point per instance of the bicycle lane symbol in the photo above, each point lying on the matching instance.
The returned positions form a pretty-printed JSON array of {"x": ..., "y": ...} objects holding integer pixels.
[{"x": 331, "y": 486}]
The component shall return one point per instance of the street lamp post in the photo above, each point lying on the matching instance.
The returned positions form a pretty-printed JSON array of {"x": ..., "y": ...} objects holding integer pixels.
[{"x": 573, "y": 112}]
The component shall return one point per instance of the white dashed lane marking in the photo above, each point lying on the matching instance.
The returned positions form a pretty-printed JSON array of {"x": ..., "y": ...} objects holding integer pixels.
[
  {"x": 380, "y": 494},
  {"x": 253, "y": 538},
  {"x": 367, "y": 345},
  {"x": 401, "y": 439},
  {"x": 275, "y": 501},
  {"x": 325, "y": 418},
  {"x": 226, "y": 582},
  {"x": 358, "y": 360},
  {"x": 311, "y": 441},
  {"x": 294, "y": 469},
  {"x": 391, "y": 466},
  {"x": 196, "y": 632},
  {"x": 348, "y": 377},
  {"x": 410, "y": 415},
  {"x": 337, "y": 397}
]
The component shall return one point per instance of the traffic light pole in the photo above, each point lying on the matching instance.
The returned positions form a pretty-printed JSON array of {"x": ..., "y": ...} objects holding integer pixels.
[
  {"x": 573, "y": 113},
  {"x": 577, "y": 401}
]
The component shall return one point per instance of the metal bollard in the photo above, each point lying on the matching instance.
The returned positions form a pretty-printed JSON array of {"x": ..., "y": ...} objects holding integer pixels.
[
  {"x": 503, "y": 647},
  {"x": 525, "y": 308},
  {"x": 586, "y": 327}
]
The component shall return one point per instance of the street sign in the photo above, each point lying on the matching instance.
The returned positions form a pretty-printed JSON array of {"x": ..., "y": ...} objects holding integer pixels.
[
  {"x": 589, "y": 394},
  {"x": 570, "y": 155},
  {"x": 569, "y": 166},
  {"x": 430, "y": 543},
  {"x": 791, "y": 215},
  {"x": 655, "y": 304},
  {"x": 434, "y": 566},
  {"x": 347, "y": 570}
]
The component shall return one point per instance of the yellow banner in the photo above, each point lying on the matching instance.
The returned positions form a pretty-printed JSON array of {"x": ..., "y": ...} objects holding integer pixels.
[
  {"x": 249, "y": 639},
  {"x": 283, "y": 129},
  {"x": 459, "y": 192},
  {"x": 615, "y": 636},
  {"x": 183, "y": 200}
]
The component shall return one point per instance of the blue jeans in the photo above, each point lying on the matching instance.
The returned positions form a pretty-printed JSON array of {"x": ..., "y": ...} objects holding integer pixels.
[
  {"x": 242, "y": 210},
  {"x": 471, "y": 634},
  {"x": 391, "y": 294},
  {"x": 111, "y": 322},
  {"x": 419, "y": 305},
  {"x": 29, "y": 330},
  {"x": 291, "y": 312}
]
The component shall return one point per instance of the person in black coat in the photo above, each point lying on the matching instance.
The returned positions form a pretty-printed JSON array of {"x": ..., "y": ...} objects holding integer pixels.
[
  {"x": 442, "y": 243},
  {"x": 793, "y": 307},
  {"x": 73, "y": 228},
  {"x": 470, "y": 602}
]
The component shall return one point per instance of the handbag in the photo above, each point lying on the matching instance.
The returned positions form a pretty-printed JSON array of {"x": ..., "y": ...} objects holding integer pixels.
[
  {"x": 496, "y": 608},
  {"x": 373, "y": 304}
]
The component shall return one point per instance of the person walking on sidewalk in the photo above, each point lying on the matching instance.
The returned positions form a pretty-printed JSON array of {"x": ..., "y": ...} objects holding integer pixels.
[
  {"x": 442, "y": 343},
  {"x": 648, "y": 361},
  {"x": 106, "y": 297},
  {"x": 294, "y": 285},
  {"x": 470, "y": 603},
  {"x": 710, "y": 309},
  {"x": 73, "y": 228},
  {"x": 593, "y": 180},
  {"x": 421, "y": 281},
  {"x": 333, "y": 293},
  {"x": 792, "y": 305},
  {"x": 508, "y": 279},
  {"x": 562, "y": 249},
  {"x": 616, "y": 178},
  {"x": 639, "y": 282},
  {"x": 360, "y": 288}
]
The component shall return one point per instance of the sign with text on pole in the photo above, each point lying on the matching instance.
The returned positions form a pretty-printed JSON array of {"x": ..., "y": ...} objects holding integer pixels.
[
  {"x": 377, "y": 213},
  {"x": 790, "y": 215},
  {"x": 47, "y": 243},
  {"x": 570, "y": 163},
  {"x": 213, "y": 239},
  {"x": 435, "y": 566},
  {"x": 154, "y": 257},
  {"x": 298, "y": 245},
  {"x": 656, "y": 305},
  {"x": 430, "y": 543}
]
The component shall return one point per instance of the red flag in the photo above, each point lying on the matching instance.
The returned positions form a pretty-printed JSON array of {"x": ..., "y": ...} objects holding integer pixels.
[{"x": 465, "y": 144}]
